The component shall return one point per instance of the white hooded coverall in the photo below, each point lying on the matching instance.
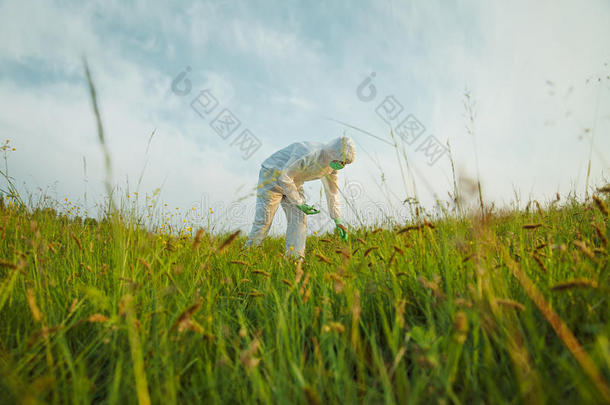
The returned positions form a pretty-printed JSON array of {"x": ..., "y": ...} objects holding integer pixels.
[{"x": 281, "y": 180}]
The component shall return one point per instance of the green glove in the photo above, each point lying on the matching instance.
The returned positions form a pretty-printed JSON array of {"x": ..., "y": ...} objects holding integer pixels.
[
  {"x": 308, "y": 209},
  {"x": 341, "y": 229}
]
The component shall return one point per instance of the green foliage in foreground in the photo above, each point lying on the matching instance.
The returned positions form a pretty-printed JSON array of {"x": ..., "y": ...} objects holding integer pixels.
[{"x": 454, "y": 311}]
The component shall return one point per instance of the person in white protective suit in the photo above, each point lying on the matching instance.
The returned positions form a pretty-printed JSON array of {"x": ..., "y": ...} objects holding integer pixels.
[{"x": 281, "y": 181}]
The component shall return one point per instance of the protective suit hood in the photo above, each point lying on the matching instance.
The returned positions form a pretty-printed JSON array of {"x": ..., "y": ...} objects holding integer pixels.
[{"x": 342, "y": 149}]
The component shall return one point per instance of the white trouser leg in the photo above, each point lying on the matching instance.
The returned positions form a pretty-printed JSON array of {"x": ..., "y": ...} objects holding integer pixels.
[
  {"x": 267, "y": 201},
  {"x": 296, "y": 229}
]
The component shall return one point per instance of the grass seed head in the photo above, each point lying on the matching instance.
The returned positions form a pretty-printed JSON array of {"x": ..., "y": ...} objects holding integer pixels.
[
  {"x": 323, "y": 258},
  {"x": 584, "y": 249},
  {"x": 510, "y": 303},
  {"x": 248, "y": 356},
  {"x": 461, "y": 326},
  {"x": 540, "y": 263},
  {"x": 601, "y": 234},
  {"x": 369, "y": 250},
  {"x": 604, "y": 189},
  {"x": 228, "y": 241},
  {"x": 601, "y": 205},
  {"x": 576, "y": 283},
  {"x": 36, "y": 314},
  {"x": 262, "y": 273},
  {"x": 97, "y": 318},
  {"x": 197, "y": 240},
  {"x": 333, "y": 327}
]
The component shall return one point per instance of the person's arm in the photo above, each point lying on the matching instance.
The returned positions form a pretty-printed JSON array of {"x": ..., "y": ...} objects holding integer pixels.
[
  {"x": 331, "y": 189},
  {"x": 286, "y": 181}
]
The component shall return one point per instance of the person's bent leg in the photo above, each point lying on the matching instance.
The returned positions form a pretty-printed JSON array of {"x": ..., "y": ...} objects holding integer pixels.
[
  {"x": 267, "y": 202},
  {"x": 296, "y": 229}
]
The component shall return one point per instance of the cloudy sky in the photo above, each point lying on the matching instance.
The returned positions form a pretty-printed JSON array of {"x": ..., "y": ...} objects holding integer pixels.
[{"x": 537, "y": 74}]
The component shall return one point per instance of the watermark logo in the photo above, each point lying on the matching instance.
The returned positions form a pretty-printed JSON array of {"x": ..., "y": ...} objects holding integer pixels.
[
  {"x": 181, "y": 86},
  {"x": 247, "y": 143},
  {"x": 432, "y": 149},
  {"x": 410, "y": 129},
  {"x": 389, "y": 109},
  {"x": 366, "y": 91},
  {"x": 204, "y": 104},
  {"x": 225, "y": 123},
  {"x": 407, "y": 127}
]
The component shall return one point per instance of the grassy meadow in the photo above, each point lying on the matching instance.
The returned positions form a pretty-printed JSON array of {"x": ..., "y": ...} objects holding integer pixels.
[{"x": 509, "y": 308}]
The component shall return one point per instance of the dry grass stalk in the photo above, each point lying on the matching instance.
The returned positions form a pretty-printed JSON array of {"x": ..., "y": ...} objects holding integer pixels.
[
  {"x": 460, "y": 324},
  {"x": 510, "y": 303},
  {"x": 601, "y": 234},
  {"x": 298, "y": 272},
  {"x": 184, "y": 321},
  {"x": 584, "y": 249},
  {"x": 146, "y": 266},
  {"x": 432, "y": 285},
  {"x": 323, "y": 258},
  {"x": 600, "y": 205},
  {"x": 562, "y": 330},
  {"x": 333, "y": 327},
  {"x": 409, "y": 228},
  {"x": 228, "y": 241},
  {"x": 538, "y": 208},
  {"x": 306, "y": 295},
  {"x": 338, "y": 283},
  {"x": 461, "y": 302},
  {"x": 576, "y": 283},
  {"x": 369, "y": 250},
  {"x": 97, "y": 318},
  {"x": 262, "y": 273},
  {"x": 36, "y": 314},
  {"x": 356, "y": 312},
  {"x": 540, "y": 263},
  {"x": 418, "y": 227},
  {"x": 399, "y": 355},
  {"x": 73, "y": 306},
  {"x": 464, "y": 260},
  {"x": 197, "y": 240},
  {"x": 80, "y": 246},
  {"x": 304, "y": 284},
  {"x": 248, "y": 356},
  {"x": 345, "y": 253},
  {"x": 6, "y": 263}
]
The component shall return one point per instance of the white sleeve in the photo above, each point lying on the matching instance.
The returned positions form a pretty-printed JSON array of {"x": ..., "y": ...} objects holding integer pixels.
[
  {"x": 285, "y": 180},
  {"x": 331, "y": 189}
]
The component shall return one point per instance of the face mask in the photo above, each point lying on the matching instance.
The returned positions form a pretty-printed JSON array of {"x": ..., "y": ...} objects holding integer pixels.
[{"x": 336, "y": 165}]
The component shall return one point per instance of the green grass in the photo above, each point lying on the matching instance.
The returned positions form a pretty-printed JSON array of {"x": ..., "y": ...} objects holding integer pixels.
[{"x": 457, "y": 311}]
